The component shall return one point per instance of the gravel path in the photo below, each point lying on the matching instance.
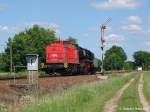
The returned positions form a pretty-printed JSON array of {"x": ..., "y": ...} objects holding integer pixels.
[
  {"x": 111, "y": 105},
  {"x": 143, "y": 101}
]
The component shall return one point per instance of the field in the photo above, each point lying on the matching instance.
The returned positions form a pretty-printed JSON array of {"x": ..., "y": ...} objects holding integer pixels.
[
  {"x": 121, "y": 92},
  {"x": 85, "y": 98}
]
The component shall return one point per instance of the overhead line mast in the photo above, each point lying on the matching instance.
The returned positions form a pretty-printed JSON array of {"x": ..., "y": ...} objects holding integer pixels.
[{"x": 103, "y": 28}]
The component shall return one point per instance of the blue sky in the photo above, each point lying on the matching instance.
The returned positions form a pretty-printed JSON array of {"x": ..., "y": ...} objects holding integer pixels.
[{"x": 129, "y": 28}]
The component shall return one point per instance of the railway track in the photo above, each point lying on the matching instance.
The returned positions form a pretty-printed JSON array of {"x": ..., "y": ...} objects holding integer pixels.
[
  {"x": 44, "y": 76},
  {"x": 54, "y": 75}
]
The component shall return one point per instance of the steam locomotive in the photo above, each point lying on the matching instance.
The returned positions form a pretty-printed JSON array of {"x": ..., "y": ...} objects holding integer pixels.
[{"x": 65, "y": 57}]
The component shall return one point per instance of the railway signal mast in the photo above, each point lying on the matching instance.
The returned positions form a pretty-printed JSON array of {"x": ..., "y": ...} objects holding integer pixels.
[{"x": 102, "y": 40}]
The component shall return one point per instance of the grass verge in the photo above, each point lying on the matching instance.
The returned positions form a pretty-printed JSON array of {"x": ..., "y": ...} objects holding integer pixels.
[
  {"x": 147, "y": 85},
  {"x": 19, "y": 74},
  {"x": 130, "y": 101},
  {"x": 85, "y": 98},
  {"x": 7, "y": 74}
]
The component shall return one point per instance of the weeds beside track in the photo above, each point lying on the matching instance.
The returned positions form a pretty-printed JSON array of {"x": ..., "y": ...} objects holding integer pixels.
[{"x": 85, "y": 98}]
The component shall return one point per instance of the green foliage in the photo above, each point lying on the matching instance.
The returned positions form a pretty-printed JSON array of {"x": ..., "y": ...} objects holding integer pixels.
[
  {"x": 4, "y": 62},
  {"x": 32, "y": 40},
  {"x": 113, "y": 62},
  {"x": 129, "y": 65},
  {"x": 130, "y": 98},
  {"x": 1, "y": 62},
  {"x": 72, "y": 40},
  {"x": 99, "y": 65},
  {"x": 142, "y": 58},
  {"x": 114, "y": 58},
  {"x": 118, "y": 51}
]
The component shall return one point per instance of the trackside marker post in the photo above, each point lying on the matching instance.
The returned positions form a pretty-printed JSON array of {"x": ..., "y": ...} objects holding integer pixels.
[{"x": 32, "y": 68}]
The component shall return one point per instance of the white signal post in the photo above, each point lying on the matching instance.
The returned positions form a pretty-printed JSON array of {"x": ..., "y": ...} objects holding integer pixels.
[
  {"x": 103, "y": 28},
  {"x": 32, "y": 67}
]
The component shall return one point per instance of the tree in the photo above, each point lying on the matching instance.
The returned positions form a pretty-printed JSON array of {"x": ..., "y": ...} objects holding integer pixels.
[
  {"x": 129, "y": 65},
  {"x": 72, "y": 40},
  {"x": 1, "y": 62},
  {"x": 113, "y": 62},
  {"x": 32, "y": 40},
  {"x": 118, "y": 51},
  {"x": 114, "y": 58},
  {"x": 97, "y": 64},
  {"x": 142, "y": 58}
]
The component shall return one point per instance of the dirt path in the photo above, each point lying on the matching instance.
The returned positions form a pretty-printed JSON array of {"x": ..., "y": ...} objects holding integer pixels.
[
  {"x": 112, "y": 104},
  {"x": 143, "y": 101}
]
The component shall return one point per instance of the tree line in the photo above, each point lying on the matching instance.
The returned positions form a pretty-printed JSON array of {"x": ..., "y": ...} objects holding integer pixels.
[
  {"x": 36, "y": 38},
  {"x": 116, "y": 59}
]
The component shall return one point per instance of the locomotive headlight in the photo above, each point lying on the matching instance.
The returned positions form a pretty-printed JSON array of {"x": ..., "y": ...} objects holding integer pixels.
[{"x": 54, "y": 55}]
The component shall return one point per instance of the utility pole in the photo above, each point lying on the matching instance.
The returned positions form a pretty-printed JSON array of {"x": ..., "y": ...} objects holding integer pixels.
[
  {"x": 10, "y": 56},
  {"x": 11, "y": 61},
  {"x": 103, "y": 28},
  {"x": 1, "y": 53},
  {"x": 2, "y": 45}
]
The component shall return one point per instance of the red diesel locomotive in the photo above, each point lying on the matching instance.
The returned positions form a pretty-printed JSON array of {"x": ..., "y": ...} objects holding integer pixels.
[{"x": 65, "y": 57}]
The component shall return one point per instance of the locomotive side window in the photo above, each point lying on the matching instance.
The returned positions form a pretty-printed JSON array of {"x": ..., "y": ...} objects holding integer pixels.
[{"x": 84, "y": 53}]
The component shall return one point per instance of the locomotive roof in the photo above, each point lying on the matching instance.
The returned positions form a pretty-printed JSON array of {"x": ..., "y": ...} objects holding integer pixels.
[{"x": 65, "y": 42}]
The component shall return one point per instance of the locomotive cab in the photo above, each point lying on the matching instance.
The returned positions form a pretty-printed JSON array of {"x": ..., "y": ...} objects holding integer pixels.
[{"x": 61, "y": 56}]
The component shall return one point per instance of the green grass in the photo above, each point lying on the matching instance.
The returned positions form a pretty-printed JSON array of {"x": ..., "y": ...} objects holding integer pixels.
[
  {"x": 147, "y": 85},
  {"x": 41, "y": 73},
  {"x": 85, "y": 98},
  {"x": 130, "y": 98},
  {"x": 7, "y": 74},
  {"x": 113, "y": 74},
  {"x": 19, "y": 74}
]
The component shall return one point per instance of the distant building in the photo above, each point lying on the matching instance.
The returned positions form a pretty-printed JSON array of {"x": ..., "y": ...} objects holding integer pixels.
[{"x": 139, "y": 68}]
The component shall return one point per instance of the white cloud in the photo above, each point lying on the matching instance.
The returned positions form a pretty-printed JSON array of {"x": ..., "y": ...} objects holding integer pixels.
[
  {"x": 148, "y": 30},
  {"x": 148, "y": 19},
  {"x": 93, "y": 29},
  {"x": 114, "y": 39},
  {"x": 8, "y": 29},
  {"x": 133, "y": 25},
  {"x": 85, "y": 35},
  {"x": 31, "y": 24},
  {"x": 136, "y": 29},
  {"x": 55, "y": 27},
  {"x": 3, "y": 28},
  {"x": 52, "y": 26},
  {"x": 134, "y": 19},
  {"x": 21, "y": 27},
  {"x": 115, "y": 4},
  {"x": 3, "y": 7},
  {"x": 147, "y": 43}
]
